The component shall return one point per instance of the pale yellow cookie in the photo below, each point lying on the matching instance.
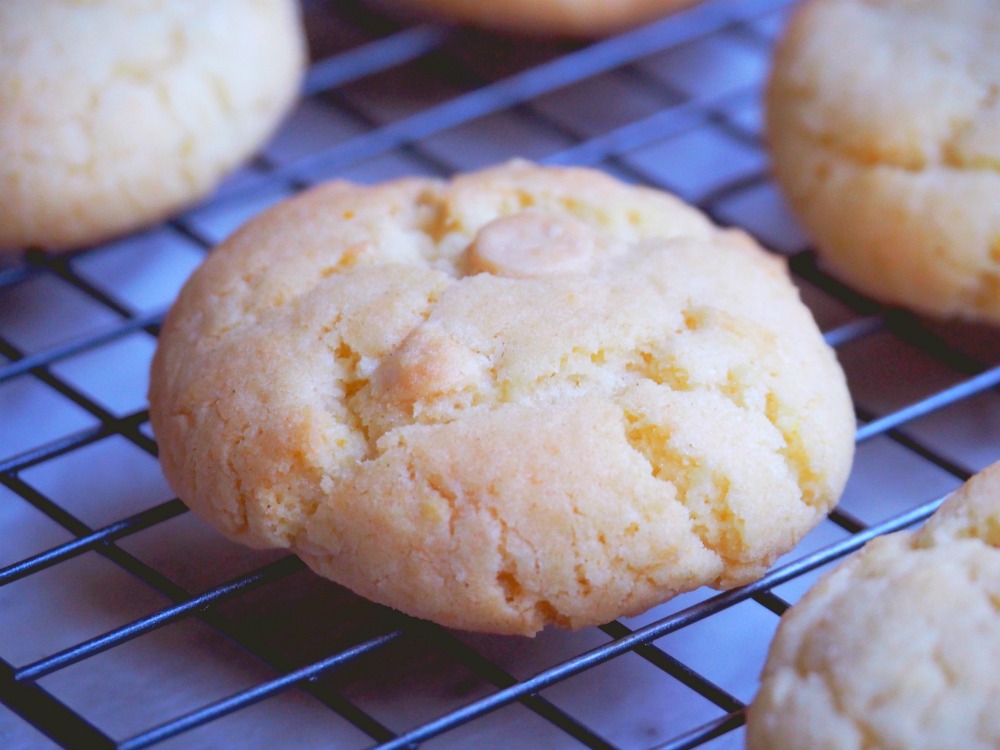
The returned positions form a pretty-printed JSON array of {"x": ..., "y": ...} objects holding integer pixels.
[
  {"x": 883, "y": 120},
  {"x": 115, "y": 113},
  {"x": 526, "y": 396},
  {"x": 897, "y": 648},
  {"x": 550, "y": 17}
]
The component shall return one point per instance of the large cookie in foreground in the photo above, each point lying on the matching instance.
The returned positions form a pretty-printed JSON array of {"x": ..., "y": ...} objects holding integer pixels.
[
  {"x": 898, "y": 646},
  {"x": 116, "y": 113},
  {"x": 528, "y": 395}
]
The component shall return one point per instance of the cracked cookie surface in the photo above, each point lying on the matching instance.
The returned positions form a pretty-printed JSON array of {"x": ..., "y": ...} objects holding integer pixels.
[
  {"x": 897, "y": 647},
  {"x": 883, "y": 120},
  {"x": 526, "y": 396},
  {"x": 113, "y": 113}
]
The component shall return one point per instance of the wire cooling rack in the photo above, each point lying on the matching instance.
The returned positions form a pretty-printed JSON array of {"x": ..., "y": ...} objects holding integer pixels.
[{"x": 126, "y": 623}]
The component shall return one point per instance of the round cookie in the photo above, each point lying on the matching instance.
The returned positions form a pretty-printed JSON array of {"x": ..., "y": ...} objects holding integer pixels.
[
  {"x": 898, "y": 646},
  {"x": 526, "y": 396},
  {"x": 115, "y": 113},
  {"x": 884, "y": 125},
  {"x": 586, "y": 18}
]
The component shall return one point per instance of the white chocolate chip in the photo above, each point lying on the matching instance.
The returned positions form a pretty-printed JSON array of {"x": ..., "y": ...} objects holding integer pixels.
[
  {"x": 428, "y": 362},
  {"x": 531, "y": 244}
]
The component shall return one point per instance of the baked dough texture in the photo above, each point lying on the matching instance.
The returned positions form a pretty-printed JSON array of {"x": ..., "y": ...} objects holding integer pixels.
[
  {"x": 115, "y": 113},
  {"x": 883, "y": 118},
  {"x": 572, "y": 18},
  {"x": 526, "y": 396},
  {"x": 897, "y": 648}
]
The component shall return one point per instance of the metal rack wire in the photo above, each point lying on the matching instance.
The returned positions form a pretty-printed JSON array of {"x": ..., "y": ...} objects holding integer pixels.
[{"x": 124, "y": 626}]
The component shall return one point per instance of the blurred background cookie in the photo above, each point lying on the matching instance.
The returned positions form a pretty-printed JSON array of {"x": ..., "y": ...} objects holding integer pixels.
[
  {"x": 115, "y": 114},
  {"x": 884, "y": 126},
  {"x": 547, "y": 17},
  {"x": 525, "y": 396},
  {"x": 897, "y": 647}
]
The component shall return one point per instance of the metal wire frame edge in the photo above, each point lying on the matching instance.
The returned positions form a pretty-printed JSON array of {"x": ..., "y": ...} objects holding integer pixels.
[
  {"x": 66, "y": 443},
  {"x": 676, "y": 669},
  {"x": 266, "y": 574},
  {"x": 707, "y": 731},
  {"x": 124, "y": 527},
  {"x": 50, "y": 715},
  {"x": 938, "y": 400},
  {"x": 487, "y": 670},
  {"x": 78, "y": 346},
  {"x": 470, "y": 658},
  {"x": 373, "y": 57},
  {"x": 955, "y": 468},
  {"x": 245, "y": 640},
  {"x": 662, "y": 124},
  {"x": 254, "y": 694}
]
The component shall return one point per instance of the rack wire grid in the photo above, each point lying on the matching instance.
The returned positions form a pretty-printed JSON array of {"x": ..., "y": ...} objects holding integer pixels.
[{"x": 126, "y": 623}]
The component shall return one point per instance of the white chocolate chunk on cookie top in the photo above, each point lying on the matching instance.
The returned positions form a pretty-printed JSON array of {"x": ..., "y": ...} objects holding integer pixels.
[{"x": 531, "y": 244}]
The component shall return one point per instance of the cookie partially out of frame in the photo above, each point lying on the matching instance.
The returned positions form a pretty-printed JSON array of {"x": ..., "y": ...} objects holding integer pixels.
[
  {"x": 550, "y": 17},
  {"x": 898, "y": 646},
  {"x": 526, "y": 396},
  {"x": 116, "y": 113},
  {"x": 884, "y": 125}
]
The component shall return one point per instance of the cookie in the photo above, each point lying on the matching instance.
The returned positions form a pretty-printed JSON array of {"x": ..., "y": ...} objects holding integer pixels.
[
  {"x": 897, "y": 647},
  {"x": 586, "y": 18},
  {"x": 884, "y": 124},
  {"x": 525, "y": 396},
  {"x": 114, "y": 114}
]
